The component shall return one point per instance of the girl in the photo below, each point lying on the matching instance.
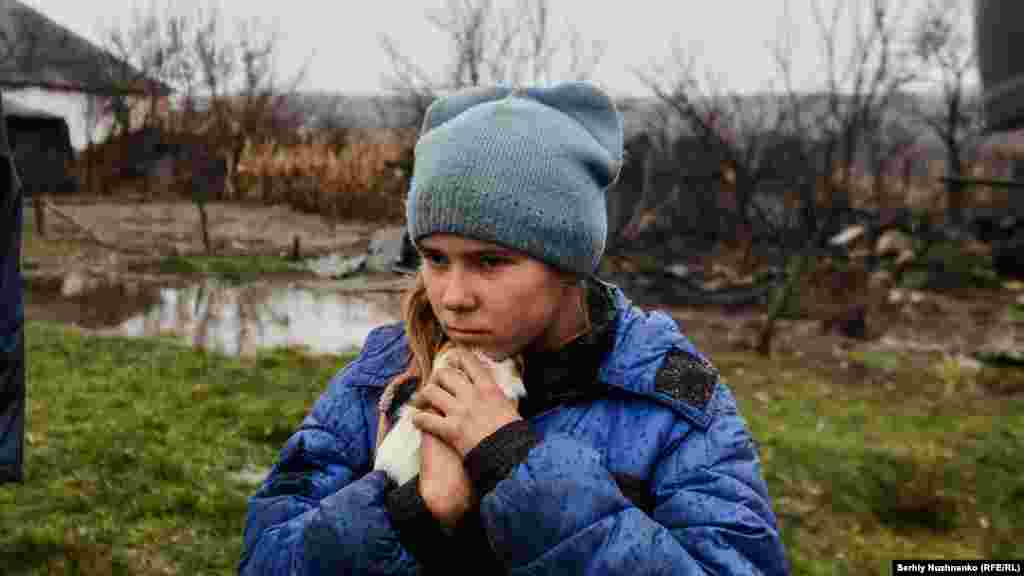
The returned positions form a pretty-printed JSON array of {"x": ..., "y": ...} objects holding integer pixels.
[{"x": 627, "y": 454}]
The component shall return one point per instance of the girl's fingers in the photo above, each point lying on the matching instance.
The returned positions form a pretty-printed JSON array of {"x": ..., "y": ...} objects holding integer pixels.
[
  {"x": 474, "y": 368},
  {"x": 451, "y": 380},
  {"x": 432, "y": 423},
  {"x": 434, "y": 396}
]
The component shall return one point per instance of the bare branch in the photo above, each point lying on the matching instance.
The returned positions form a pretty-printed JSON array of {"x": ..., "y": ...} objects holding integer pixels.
[
  {"x": 944, "y": 53},
  {"x": 489, "y": 46},
  {"x": 406, "y": 76}
]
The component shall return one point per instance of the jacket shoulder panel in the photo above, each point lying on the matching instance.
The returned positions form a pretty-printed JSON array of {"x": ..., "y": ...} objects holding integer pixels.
[
  {"x": 640, "y": 363},
  {"x": 686, "y": 378}
]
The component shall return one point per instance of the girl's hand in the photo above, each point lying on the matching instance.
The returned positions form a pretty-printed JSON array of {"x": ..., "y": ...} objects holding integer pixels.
[
  {"x": 462, "y": 404},
  {"x": 444, "y": 484}
]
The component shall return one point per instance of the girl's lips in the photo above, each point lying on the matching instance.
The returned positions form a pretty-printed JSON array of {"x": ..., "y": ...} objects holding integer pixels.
[{"x": 466, "y": 332}]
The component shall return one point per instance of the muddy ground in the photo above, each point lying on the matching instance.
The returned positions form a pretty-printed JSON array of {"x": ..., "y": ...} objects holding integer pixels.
[{"x": 131, "y": 238}]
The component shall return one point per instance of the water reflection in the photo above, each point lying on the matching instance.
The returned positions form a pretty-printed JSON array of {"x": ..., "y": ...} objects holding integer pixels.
[{"x": 238, "y": 320}]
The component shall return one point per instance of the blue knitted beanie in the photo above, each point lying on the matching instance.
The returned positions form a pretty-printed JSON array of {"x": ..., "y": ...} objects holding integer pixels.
[{"x": 525, "y": 168}]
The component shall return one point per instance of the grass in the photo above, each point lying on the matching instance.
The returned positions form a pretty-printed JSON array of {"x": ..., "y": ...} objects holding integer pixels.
[
  {"x": 861, "y": 475},
  {"x": 132, "y": 451},
  {"x": 33, "y": 246},
  {"x": 233, "y": 269},
  {"x": 946, "y": 266},
  {"x": 1016, "y": 312},
  {"x": 134, "y": 446},
  {"x": 878, "y": 360}
]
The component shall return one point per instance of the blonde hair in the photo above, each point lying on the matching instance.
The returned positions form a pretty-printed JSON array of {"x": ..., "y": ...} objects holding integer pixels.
[{"x": 422, "y": 329}]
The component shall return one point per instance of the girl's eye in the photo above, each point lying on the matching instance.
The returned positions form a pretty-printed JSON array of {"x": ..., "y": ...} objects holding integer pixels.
[
  {"x": 492, "y": 261},
  {"x": 434, "y": 259}
]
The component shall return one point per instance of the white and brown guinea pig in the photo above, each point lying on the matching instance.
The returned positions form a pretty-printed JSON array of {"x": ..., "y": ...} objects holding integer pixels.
[{"x": 399, "y": 452}]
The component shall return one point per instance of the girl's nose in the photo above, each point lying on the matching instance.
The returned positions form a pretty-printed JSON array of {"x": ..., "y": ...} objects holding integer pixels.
[{"x": 457, "y": 295}]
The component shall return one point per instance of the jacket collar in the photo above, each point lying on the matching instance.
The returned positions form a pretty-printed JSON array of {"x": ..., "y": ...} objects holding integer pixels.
[
  {"x": 628, "y": 360},
  {"x": 571, "y": 372}
]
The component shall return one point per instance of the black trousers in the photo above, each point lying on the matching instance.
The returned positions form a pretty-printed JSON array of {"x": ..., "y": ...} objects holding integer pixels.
[{"x": 12, "y": 412}]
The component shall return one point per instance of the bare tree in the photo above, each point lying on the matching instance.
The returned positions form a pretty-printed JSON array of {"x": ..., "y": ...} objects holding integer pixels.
[
  {"x": 228, "y": 94},
  {"x": 836, "y": 122},
  {"x": 248, "y": 100},
  {"x": 946, "y": 56},
  {"x": 512, "y": 46},
  {"x": 151, "y": 49},
  {"x": 859, "y": 93},
  {"x": 889, "y": 156},
  {"x": 733, "y": 129}
]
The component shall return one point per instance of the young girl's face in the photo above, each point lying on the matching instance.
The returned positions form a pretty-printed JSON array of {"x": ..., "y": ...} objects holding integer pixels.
[{"x": 496, "y": 298}]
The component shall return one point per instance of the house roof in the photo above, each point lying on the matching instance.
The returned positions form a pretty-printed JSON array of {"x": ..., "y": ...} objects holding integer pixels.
[{"x": 35, "y": 51}]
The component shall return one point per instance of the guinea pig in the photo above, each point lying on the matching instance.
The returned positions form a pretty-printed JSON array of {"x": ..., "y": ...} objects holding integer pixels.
[{"x": 399, "y": 452}]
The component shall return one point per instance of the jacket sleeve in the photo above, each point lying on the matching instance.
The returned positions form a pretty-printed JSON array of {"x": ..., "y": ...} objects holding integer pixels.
[
  {"x": 12, "y": 316},
  {"x": 319, "y": 511},
  {"x": 712, "y": 516}
]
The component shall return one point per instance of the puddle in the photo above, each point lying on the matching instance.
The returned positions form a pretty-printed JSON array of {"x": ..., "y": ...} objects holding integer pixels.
[{"x": 232, "y": 320}]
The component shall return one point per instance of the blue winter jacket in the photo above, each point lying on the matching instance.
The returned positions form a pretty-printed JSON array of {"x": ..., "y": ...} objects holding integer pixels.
[{"x": 560, "y": 510}]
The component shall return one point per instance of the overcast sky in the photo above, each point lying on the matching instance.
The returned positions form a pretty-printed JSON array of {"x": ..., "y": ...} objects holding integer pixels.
[{"x": 340, "y": 39}]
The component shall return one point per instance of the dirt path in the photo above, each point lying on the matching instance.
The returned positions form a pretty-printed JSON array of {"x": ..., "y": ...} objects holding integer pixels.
[{"x": 158, "y": 229}]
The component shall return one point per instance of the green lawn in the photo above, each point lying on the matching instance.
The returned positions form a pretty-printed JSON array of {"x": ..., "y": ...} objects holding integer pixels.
[
  {"x": 135, "y": 445},
  {"x": 906, "y": 463},
  {"x": 235, "y": 269}
]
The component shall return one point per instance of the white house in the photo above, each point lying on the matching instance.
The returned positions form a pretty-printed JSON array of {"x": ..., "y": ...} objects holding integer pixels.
[{"x": 46, "y": 67}]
